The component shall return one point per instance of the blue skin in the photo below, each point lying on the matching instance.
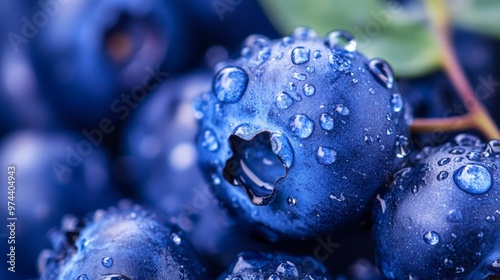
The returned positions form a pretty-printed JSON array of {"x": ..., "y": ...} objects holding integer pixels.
[
  {"x": 432, "y": 226},
  {"x": 253, "y": 265},
  {"x": 347, "y": 170},
  {"x": 41, "y": 199},
  {"x": 88, "y": 72},
  {"x": 129, "y": 242}
]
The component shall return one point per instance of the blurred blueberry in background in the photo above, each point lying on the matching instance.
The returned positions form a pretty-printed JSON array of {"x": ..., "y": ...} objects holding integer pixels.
[{"x": 56, "y": 174}]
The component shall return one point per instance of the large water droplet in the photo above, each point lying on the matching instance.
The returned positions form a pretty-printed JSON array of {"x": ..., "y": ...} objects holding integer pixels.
[
  {"x": 282, "y": 148},
  {"x": 403, "y": 146},
  {"x": 325, "y": 155},
  {"x": 283, "y": 100},
  {"x": 230, "y": 84},
  {"x": 254, "y": 166},
  {"x": 342, "y": 39},
  {"x": 342, "y": 109},
  {"x": 396, "y": 102},
  {"x": 455, "y": 216},
  {"x": 382, "y": 71},
  {"x": 493, "y": 147},
  {"x": 309, "y": 90},
  {"x": 287, "y": 270},
  {"x": 107, "y": 262},
  {"x": 473, "y": 178},
  {"x": 301, "y": 126},
  {"x": 210, "y": 141},
  {"x": 340, "y": 62},
  {"x": 326, "y": 121},
  {"x": 300, "y": 55},
  {"x": 431, "y": 237}
]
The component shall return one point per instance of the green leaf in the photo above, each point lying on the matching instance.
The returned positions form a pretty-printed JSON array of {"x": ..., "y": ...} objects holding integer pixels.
[
  {"x": 477, "y": 15},
  {"x": 388, "y": 31}
]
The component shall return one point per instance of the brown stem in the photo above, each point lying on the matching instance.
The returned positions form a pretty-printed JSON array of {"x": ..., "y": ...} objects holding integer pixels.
[{"x": 443, "y": 124}]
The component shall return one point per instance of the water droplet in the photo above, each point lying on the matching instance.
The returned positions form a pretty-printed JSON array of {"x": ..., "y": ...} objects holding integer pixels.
[
  {"x": 273, "y": 277},
  {"x": 340, "y": 62},
  {"x": 491, "y": 218},
  {"x": 210, "y": 141},
  {"x": 283, "y": 100},
  {"x": 300, "y": 55},
  {"x": 342, "y": 39},
  {"x": 299, "y": 76},
  {"x": 82, "y": 277},
  {"x": 282, "y": 148},
  {"x": 459, "y": 269},
  {"x": 457, "y": 151},
  {"x": 466, "y": 140},
  {"x": 472, "y": 178},
  {"x": 389, "y": 131},
  {"x": 301, "y": 126},
  {"x": 317, "y": 54},
  {"x": 287, "y": 41},
  {"x": 458, "y": 159},
  {"x": 254, "y": 166},
  {"x": 176, "y": 238},
  {"x": 368, "y": 139},
  {"x": 354, "y": 81},
  {"x": 287, "y": 270},
  {"x": 292, "y": 201},
  {"x": 326, "y": 121},
  {"x": 396, "y": 102},
  {"x": 388, "y": 116},
  {"x": 325, "y": 155},
  {"x": 107, "y": 262},
  {"x": 246, "y": 52},
  {"x": 304, "y": 33},
  {"x": 496, "y": 264},
  {"x": 230, "y": 84},
  {"x": 448, "y": 263},
  {"x": 403, "y": 146},
  {"x": 493, "y": 147},
  {"x": 114, "y": 277},
  {"x": 414, "y": 189},
  {"x": 280, "y": 55},
  {"x": 371, "y": 90},
  {"x": 442, "y": 175},
  {"x": 309, "y": 90},
  {"x": 342, "y": 109},
  {"x": 444, "y": 161},
  {"x": 431, "y": 237},
  {"x": 310, "y": 69},
  {"x": 382, "y": 71},
  {"x": 262, "y": 56},
  {"x": 292, "y": 87},
  {"x": 455, "y": 216},
  {"x": 474, "y": 156}
]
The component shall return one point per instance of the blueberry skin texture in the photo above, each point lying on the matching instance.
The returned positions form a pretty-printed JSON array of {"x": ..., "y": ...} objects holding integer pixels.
[
  {"x": 438, "y": 221},
  {"x": 313, "y": 198},
  {"x": 92, "y": 52},
  {"x": 128, "y": 243},
  {"x": 254, "y": 265}
]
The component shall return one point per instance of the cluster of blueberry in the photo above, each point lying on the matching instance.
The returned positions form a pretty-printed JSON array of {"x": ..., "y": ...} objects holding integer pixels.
[{"x": 292, "y": 161}]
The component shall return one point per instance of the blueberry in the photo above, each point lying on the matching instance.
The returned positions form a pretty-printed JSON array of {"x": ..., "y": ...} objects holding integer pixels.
[
  {"x": 295, "y": 123},
  {"x": 253, "y": 265},
  {"x": 106, "y": 55},
  {"x": 128, "y": 242},
  {"x": 52, "y": 179},
  {"x": 439, "y": 219}
]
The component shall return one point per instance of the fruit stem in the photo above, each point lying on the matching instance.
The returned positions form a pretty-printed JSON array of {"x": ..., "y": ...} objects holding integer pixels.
[{"x": 477, "y": 116}]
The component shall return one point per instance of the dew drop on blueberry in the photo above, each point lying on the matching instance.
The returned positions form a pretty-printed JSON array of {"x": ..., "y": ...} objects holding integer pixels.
[
  {"x": 339, "y": 62},
  {"x": 457, "y": 151},
  {"x": 474, "y": 156},
  {"x": 448, "y": 263},
  {"x": 442, "y": 175},
  {"x": 301, "y": 126},
  {"x": 176, "y": 238},
  {"x": 309, "y": 90},
  {"x": 493, "y": 147},
  {"x": 444, "y": 161},
  {"x": 382, "y": 71},
  {"x": 431, "y": 237},
  {"x": 403, "y": 146},
  {"x": 300, "y": 55},
  {"x": 310, "y": 69},
  {"x": 230, "y": 84},
  {"x": 317, "y": 54},
  {"x": 325, "y": 155},
  {"x": 287, "y": 270},
  {"x": 396, "y": 102},
  {"x": 299, "y": 76},
  {"x": 491, "y": 218},
  {"x": 342, "y": 39},
  {"x": 455, "y": 216},
  {"x": 107, "y": 262},
  {"x": 283, "y": 100},
  {"x": 466, "y": 140},
  {"x": 326, "y": 121},
  {"x": 473, "y": 179},
  {"x": 292, "y": 201},
  {"x": 342, "y": 109},
  {"x": 304, "y": 33},
  {"x": 82, "y": 277},
  {"x": 210, "y": 141}
]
